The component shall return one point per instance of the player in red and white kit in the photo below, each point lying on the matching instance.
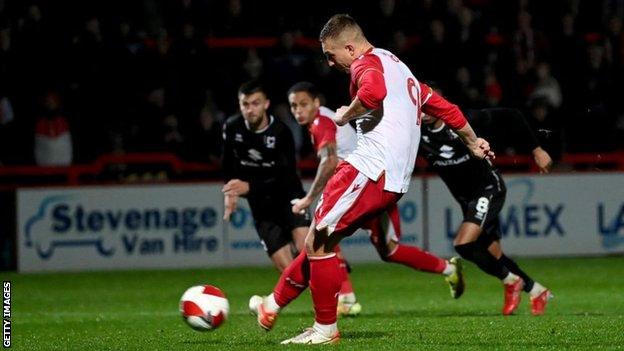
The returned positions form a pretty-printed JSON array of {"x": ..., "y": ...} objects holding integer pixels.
[
  {"x": 333, "y": 143},
  {"x": 387, "y": 100}
]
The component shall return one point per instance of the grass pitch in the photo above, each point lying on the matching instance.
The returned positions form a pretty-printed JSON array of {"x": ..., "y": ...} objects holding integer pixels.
[{"x": 402, "y": 310}]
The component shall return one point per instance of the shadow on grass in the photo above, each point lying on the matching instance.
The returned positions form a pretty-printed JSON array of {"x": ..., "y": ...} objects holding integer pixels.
[{"x": 430, "y": 314}]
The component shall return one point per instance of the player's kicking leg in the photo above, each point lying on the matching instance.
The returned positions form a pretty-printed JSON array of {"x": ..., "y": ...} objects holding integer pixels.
[
  {"x": 348, "y": 199},
  {"x": 292, "y": 282},
  {"x": 385, "y": 234},
  {"x": 325, "y": 283}
]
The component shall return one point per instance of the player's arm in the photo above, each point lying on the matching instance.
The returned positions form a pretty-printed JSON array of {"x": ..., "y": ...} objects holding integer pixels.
[
  {"x": 435, "y": 105},
  {"x": 514, "y": 126},
  {"x": 327, "y": 165},
  {"x": 371, "y": 89}
]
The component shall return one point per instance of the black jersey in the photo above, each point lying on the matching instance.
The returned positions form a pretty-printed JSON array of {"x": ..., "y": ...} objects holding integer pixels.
[
  {"x": 265, "y": 159},
  {"x": 465, "y": 176}
]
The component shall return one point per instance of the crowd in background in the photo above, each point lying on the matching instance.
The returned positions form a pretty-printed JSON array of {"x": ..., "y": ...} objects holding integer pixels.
[{"x": 83, "y": 78}]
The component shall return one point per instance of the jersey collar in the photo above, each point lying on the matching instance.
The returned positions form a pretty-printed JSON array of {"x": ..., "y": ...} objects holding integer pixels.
[
  {"x": 263, "y": 129},
  {"x": 437, "y": 130}
]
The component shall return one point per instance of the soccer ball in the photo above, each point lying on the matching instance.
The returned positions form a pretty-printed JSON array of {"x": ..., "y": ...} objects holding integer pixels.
[{"x": 204, "y": 307}]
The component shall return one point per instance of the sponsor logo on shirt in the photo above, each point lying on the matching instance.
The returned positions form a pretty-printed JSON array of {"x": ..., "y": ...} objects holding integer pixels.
[
  {"x": 255, "y": 155},
  {"x": 269, "y": 141}
]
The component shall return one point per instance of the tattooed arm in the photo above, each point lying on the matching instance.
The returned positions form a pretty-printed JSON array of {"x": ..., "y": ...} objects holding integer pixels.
[{"x": 326, "y": 167}]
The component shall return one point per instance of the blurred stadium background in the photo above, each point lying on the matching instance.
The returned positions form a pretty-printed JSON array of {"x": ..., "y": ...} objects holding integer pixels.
[{"x": 114, "y": 108}]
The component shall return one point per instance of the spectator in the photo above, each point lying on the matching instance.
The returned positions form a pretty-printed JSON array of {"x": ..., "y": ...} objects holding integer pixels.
[
  {"x": 466, "y": 93},
  {"x": 544, "y": 121},
  {"x": 53, "y": 141},
  {"x": 493, "y": 89},
  {"x": 172, "y": 138},
  {"x": 547, "y": 86},
  {"x": 568, "y": 55},
  {"x": 205, "y": 140}
]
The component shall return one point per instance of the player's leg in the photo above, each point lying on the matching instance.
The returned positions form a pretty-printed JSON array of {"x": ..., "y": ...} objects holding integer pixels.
[
  {"x": 276, "y": 242},
  {"x": 349, "y": 199},
  {"x": 292, "y": 282},
  {"x": 483, "y": 213},
  {"x": 539, "y": 295},
  {"x": 282, "y": 257},
  {"x": 298, "y": 237},
  {"x": 385, "y": 234},
  {"x": 347, "y": 301},
  {"x": 295, "y": 273},
  {"x": 325, "y": 282},
  {"x": 298, "y": 224},
  {"x": 467, "y": 246}
]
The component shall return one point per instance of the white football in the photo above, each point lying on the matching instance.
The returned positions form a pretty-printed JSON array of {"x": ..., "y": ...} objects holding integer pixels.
[{"x": 204, "y": 307}]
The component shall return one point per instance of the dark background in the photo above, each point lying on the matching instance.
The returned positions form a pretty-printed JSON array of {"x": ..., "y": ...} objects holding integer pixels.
[{"x": 153, "y": 75}]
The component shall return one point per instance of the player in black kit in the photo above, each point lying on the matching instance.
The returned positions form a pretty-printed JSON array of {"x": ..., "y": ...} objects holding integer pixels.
[
  {"x": 259, "y": 164},
  {"x": 480, "y": 190}
]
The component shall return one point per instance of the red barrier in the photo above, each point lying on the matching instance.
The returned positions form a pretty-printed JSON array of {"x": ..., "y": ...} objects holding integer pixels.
[{"x": 613, "y": 161}]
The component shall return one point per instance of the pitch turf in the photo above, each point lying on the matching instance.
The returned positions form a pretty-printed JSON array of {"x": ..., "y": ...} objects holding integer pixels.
[{"x": 402, "y": 310}]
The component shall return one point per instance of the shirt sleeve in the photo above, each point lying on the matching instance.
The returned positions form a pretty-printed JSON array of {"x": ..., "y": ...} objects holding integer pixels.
[
  {"x": 324, "y": 132},
  {"x": 435, "y": 105},
  {"x": 368, "y": 75}
]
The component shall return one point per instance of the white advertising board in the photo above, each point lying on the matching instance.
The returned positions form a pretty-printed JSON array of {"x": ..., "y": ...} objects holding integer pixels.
[
  {"x": 86, "y": 228},
  {"x": 173, "y": 226},
  {"x": 550, "y": 215}
]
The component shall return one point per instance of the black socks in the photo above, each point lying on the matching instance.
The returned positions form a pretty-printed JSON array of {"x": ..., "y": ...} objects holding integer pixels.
[{"x": 480, "y": 256}]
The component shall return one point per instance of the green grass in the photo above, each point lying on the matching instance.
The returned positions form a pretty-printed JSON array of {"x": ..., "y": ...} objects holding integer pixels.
[{"x": 402, "y": 310}]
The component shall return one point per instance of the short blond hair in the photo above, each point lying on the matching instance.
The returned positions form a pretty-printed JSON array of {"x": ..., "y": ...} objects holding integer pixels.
[{"x": 338, "y": 24}]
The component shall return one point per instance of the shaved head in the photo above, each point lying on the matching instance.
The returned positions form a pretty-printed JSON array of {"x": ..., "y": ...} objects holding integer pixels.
[
  {"x": 343, "y": 41},
  {"x": 342, "y": 28}
]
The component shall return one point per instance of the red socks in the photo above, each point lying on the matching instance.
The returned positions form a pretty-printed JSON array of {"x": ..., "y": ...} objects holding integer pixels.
[
  {"x": 346, "y": 287},
  {"x": 326, "y": 278},
  {"x": 416, "y": 258},
  {"x": 293, "y": 281}
]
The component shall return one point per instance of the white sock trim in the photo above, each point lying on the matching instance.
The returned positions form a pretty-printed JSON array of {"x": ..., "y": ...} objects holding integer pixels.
[
  {"x": 537, "y": 289},
  {"x": 347, "y": 298},
  {"x": 327, "y": 330},
  {"x": 271, "y": 305},
  {"x": 510, "y": 278},
  {"x": 449, "y": 269}
]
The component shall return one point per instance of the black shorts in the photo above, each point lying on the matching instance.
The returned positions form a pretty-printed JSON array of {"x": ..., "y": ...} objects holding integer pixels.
[
  {"x": 484, "y": 209},
  {"x": 275, "y": 224}
]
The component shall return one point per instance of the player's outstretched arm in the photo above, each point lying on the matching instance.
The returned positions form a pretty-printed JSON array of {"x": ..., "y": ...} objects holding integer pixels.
[
  {"x": 437, "y": 106},
  {"x": 479, "y": 147},
  {"x": 328, "y": 162}
]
